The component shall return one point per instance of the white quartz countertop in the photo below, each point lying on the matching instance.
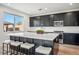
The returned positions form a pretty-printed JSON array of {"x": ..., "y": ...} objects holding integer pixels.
[{"x": 46, "y": 36}]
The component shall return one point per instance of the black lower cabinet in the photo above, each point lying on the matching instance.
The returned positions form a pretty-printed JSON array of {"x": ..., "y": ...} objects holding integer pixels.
[
  {"x": 71, "y": 38},
  {"x": 77, "y": 39}
]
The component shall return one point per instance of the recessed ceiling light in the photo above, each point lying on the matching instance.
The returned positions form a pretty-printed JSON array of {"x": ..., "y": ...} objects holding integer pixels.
[
  {"x": 40, "y": 9},
  {"x": 45, "y": 8}
]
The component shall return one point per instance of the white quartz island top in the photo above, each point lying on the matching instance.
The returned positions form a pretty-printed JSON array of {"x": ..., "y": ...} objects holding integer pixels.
[{"x": 45, "y": 36}]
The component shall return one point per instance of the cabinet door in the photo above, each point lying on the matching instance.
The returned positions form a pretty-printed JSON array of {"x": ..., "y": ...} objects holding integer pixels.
[
  {"x": 31, "y": 21},
  {"x": 77, "y": 16},
  {"x": 77, "y": 39},
  {"x": 59, "y": 17},
  {"x": 56, "y": 17},
  {"x": 45, "y": 20},
  {"x": 70, "y": 19},
  {"x": 51, "y": 20},
  {"x": 69, "y": 38},
  {"x": 35, "y": 21}
]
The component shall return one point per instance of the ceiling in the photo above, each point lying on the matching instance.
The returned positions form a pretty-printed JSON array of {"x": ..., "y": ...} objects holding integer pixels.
[{"x": 35, "y": 9}]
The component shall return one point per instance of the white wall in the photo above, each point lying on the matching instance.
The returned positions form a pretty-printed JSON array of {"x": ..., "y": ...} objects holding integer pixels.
[{"x": 4, "y": 35}]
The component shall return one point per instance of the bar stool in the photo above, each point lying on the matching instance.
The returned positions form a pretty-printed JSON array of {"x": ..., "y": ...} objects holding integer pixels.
[
  {"x": 15, "y": 45},
  {"x": 6, "y": 42},
  {"x": 41, "y": 50},
  {"x": 27, "y": 45}
]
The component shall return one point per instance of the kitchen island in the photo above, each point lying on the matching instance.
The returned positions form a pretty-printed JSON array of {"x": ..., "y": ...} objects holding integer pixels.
[{"x": 46, "y": 39}]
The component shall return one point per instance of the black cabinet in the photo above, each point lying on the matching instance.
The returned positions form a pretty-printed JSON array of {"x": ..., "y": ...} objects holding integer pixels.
[
  {"x": 71, "y": 38},
  {"x": 70, "y": 19},
  {"x": 56, "y": 17},
  {"x": 59, "y": 17},
  {"x": 31, "y": 21},
  {"x": 77, "y": 39},
  {"x": 45, "y": 20},
  {"x": 40, "y": 21},
  {"x": 51, "y": 20},
  {"x": 77, "y": 18},
  {"x": 34, "y": 21}
]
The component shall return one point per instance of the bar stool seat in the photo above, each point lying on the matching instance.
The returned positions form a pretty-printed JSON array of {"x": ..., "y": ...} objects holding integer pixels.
[
  {"x": 7, "y": 42},
  {"x": 43, "y": 50},
  {"x": 27, "y": 45},
  {"x": 15, "y": 43}
]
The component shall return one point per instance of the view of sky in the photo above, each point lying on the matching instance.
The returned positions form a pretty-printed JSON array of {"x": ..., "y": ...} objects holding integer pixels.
[{"x": 10, "y": 18}]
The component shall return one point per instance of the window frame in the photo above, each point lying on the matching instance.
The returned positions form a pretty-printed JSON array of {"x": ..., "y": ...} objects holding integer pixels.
[{"x": 14, "y": 21}]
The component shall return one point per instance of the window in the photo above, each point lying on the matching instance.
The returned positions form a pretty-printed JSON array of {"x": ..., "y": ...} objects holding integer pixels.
[
  {"x": 12, "y": 22},
  {"x": 36, "y": 22},
  {"x": 18, "y": 23}
]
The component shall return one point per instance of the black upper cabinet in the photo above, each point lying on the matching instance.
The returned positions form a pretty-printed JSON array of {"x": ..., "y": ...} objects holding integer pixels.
[
  {"x": 70, "y": 19},
  {"x": 59, "y": 17},
  {"x": 51, "y": 20},
  {"x": 56, "y": 17},
  {"x": 45, "y": 20},
  {"x": 77, "y": 18},
  {"x": 31, "y": 21},
  {"x": 34, "y": 21}
]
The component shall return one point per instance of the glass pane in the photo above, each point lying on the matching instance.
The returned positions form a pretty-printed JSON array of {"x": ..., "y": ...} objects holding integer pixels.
[
  {"x": 18, "y": 23},
  {"x": 8, "y": 22},
  {"x": 36, "y": 22}
]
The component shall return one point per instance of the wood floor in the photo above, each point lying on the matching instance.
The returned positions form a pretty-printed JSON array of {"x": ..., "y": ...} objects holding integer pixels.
[{"x": 65, "y": 49}]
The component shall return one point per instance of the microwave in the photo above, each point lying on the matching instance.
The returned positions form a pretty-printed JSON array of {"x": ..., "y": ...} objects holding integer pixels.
[{"x": 58, "y": 23}]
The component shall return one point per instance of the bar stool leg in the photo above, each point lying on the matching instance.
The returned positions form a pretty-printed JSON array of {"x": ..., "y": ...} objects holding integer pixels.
[
  {"x": 25, "y": 51},
  {"x": 28, "y": 51},
  {"x": 7, "y": 49},
  {"x": 3, "y": 49},
  {"x": 16, "y": 50},
  {"x": 10, "y": 49},
  {"x": 20, "y": 51}
]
